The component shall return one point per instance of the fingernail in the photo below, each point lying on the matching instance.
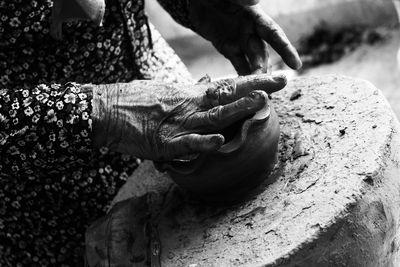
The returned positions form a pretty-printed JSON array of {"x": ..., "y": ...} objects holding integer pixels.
[
  {"x": 217, "y": 140},
  {"x": 259, "y": 98},
  {"x": 294, "y": 61}
]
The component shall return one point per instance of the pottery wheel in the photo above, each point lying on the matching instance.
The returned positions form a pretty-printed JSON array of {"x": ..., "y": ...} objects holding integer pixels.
[{"x": 332, "y": 200}]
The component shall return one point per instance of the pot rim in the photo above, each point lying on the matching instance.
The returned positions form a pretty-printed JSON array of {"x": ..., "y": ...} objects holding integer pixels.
[
  {"x": 187, "y": 167},
  {"x": 239, "y": 139}
]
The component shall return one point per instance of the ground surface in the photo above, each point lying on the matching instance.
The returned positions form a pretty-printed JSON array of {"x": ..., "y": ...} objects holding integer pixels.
[{"x": 375, "y": 63}]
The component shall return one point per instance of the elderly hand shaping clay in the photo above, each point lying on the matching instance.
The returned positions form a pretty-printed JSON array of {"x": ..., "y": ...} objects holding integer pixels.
[
  {"x": 169, "y": 121},
  {"x": 240, "y": 30}
]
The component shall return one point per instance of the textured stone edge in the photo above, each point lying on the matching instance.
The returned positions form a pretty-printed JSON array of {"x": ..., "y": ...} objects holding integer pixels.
[
  {"x": 350, "y": 240},
  {"x": 368, "y": 235}
]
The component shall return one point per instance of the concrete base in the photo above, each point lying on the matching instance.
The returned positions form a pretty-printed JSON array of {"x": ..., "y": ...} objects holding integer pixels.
[{"x": 332, "y": 200}]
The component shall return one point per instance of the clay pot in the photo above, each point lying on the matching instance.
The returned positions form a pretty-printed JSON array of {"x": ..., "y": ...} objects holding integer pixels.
[{"x": 242, "y": 163}]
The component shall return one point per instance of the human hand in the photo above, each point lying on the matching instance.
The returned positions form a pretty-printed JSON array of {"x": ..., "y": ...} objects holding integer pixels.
[
  {"x": 162, "y": 122},
  {"x": 240, "y": 30},
  {"x": 67, "y": 10}
]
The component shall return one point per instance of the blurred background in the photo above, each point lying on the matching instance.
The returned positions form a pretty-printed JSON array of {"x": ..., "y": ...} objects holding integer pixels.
[{"x": 358, "y": 38}]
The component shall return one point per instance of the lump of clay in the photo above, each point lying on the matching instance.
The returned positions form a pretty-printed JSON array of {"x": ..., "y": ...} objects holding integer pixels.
[{"x": 243, "y": 162}]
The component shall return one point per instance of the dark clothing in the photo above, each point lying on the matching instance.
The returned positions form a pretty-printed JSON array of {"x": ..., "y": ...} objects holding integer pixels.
[{"x": 52, "y": 183}]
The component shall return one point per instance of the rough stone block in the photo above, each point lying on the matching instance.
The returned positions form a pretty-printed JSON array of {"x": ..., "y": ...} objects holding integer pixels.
[{"x": 332, "y": 200}]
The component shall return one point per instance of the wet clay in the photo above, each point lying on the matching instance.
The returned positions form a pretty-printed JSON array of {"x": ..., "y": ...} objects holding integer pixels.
[{"x": 244, "y": 161}]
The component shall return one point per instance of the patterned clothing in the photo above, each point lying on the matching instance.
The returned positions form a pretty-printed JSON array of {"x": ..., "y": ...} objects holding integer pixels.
[{"x": 52, "y": 183}]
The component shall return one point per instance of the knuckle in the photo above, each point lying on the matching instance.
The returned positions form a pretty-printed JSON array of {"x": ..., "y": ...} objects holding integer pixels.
[
  {"x": 222, "y": 91},
  {"x": 214, "y": 115},
  {"x": 227, "y": 89},
  {"x": 212, "y": 94}
]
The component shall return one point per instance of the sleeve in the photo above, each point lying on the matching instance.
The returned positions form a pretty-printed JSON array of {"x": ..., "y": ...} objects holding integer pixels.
[
  {"x": 45, "y": 129},
  {"x": 179, "y": 11}
]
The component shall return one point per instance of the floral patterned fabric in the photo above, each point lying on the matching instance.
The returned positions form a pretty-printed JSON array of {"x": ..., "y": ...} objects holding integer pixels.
[{"x": 52, "y": 183}]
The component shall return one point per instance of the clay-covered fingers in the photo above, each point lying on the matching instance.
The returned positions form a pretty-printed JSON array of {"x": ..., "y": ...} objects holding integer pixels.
[
  {"x": 222, "y": 116},
  {"x": 193, "y": 144},
  {"x": 273, "y": 34},
  {"x": 229, "y": 90}
]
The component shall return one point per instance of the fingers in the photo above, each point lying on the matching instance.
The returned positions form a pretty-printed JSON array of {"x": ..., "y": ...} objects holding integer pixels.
[
  {"x": 234, "y": 54},
  {"x": 240, "y": 64},
  {"x": 228, "y": 90},
  {"x": 194, "y": 144},
  {"x": 250, "y": 56},
  {"x": 220, "y": 117},
  {"x": 265, "y": 82},
  {"x": 257, "y": 54},
  {"x": 273, "y": 34}
]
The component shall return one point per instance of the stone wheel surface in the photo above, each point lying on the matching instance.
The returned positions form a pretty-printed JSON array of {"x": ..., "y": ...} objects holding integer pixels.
[{"x": 332, "y": 200}]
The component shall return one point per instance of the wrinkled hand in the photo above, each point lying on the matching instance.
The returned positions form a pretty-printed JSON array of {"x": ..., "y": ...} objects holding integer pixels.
[
  {"x": 240, "y": 30},
  {"x": 160, "y": 121}
]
